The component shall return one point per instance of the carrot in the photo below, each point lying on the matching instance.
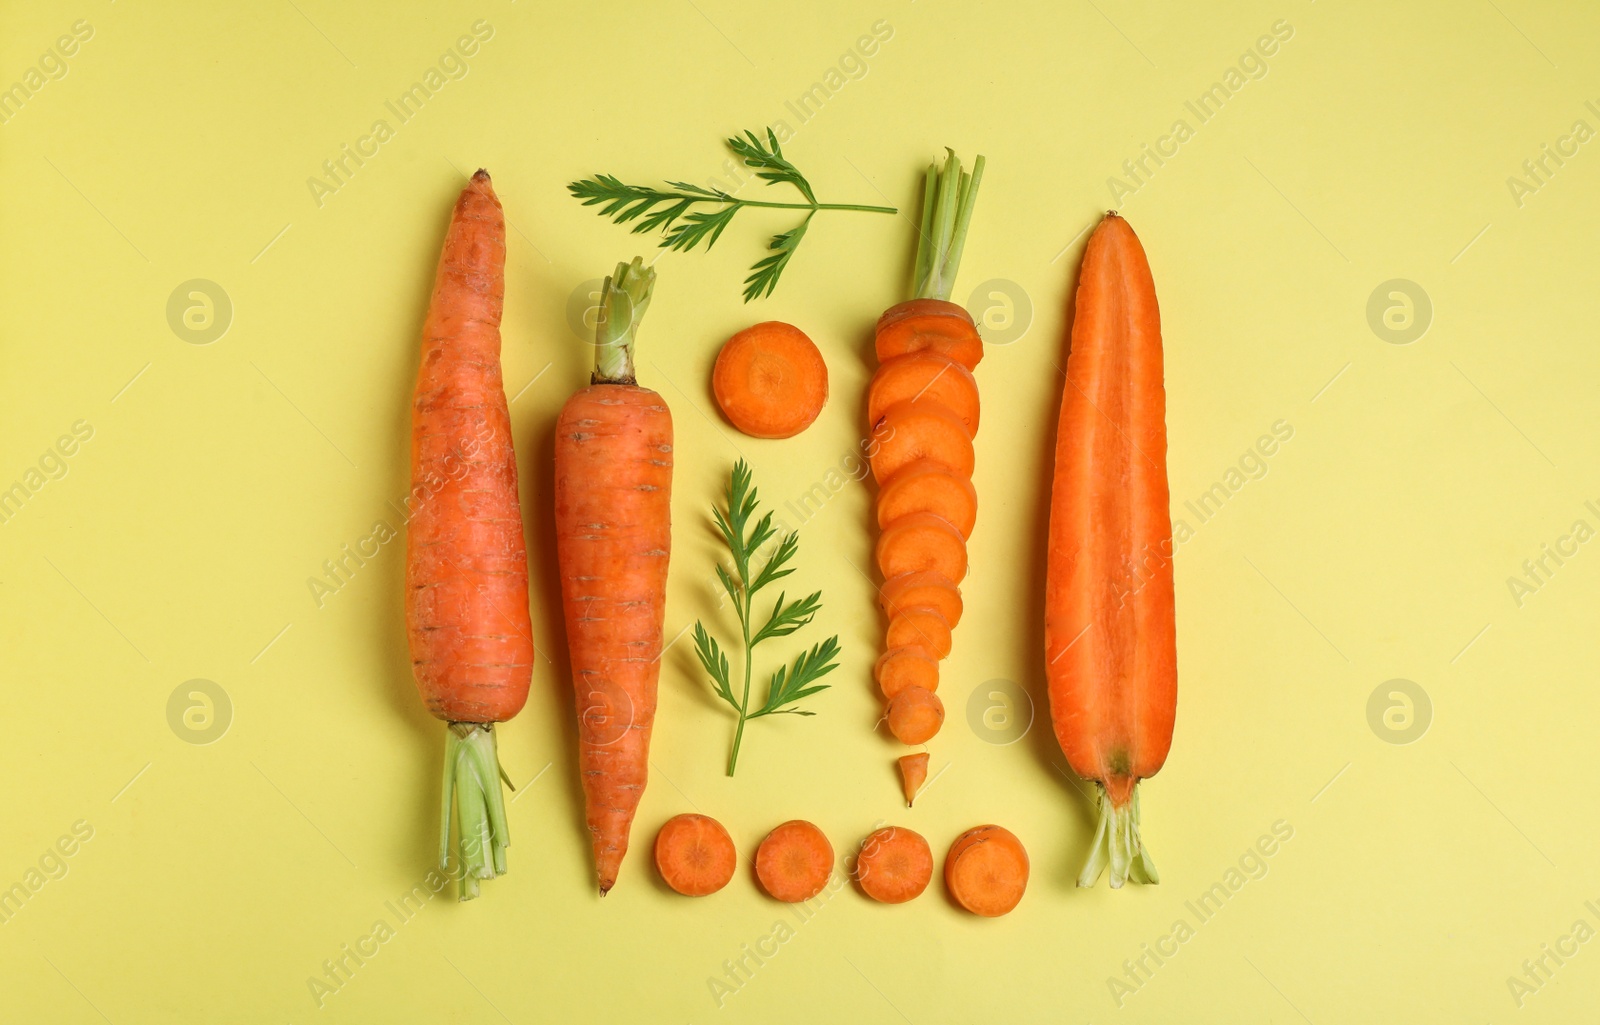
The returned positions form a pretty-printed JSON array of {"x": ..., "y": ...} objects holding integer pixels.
[
  {"x": 922, "y": 542},
  {"x": 921, "y": 589},
  {"x": 770, "y": 380},
  {"x": 915, "y": 715},
  {"x": 929, "y": 375},
  {"x": 919, "y": 429},
  {"x": 695, "y": 855},
  {"x": 613, "y": 486},
  {"x": 466, "y": 559},
  {"x": 922, "y": 626},
  {"x": 930, "y": 324},
  {"x": 1110, "y": 651},
  {"x": 894, "y": 865},
  {"x": 986, "y": 871},
  {"x": 913, "y": 773},
  {"x": 910, "y": 666},
  {"x": 794, "y": 862},
  {"x": 924, "y": 485}
]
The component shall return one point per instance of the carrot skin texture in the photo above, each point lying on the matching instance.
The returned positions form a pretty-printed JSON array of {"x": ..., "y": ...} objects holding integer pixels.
[
  {"x": 1110, "y": 634},
  {"x": 467, "y": 617},
  {"x": 613, "y": 490}
]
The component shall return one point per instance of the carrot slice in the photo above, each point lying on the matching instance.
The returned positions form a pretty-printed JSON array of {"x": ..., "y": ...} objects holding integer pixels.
[
  {"x": 935, "y": 324},
  {"x": 794, "y": 862},
  {"x": 925, "y": 485},
  {"x": 928, "y": 375},
  {"x": 922, "y": 542},
  {"x": 895, "y": 865},
  {"x": 923, "y": 589},
  {"x": 695, "y": 855},
  {"x": 915, "y": 715},
  {"x": 770, "y": 380},
  {"x": 922, "y": 626},
  {"x": 919, "y": 429},
  {"x": 910, "y": 666},
  {"x": 986, "y": 870},
  {"x": 913, "y": 773}
]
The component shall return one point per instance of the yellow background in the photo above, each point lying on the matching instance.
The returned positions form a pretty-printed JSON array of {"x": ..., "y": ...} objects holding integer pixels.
[{"x": 1378, "y": 546}]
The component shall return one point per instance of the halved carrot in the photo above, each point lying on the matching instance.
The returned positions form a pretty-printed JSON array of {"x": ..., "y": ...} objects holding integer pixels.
[
  {"x": 695, "y": 855},
  {"x": 919, "y": 429},
  {"x": 936, "y": 324},
  {"x": 913, "y": 773},
  {"x": 986, "y": 870},
  {"x": 909, "y": 666},
  {"x": 794, "y": 862},
  {"x": 922, "y": 542},
  {"x": 895, "y": 865},
  {"x": 924, "y": 375},
  {"x": 915, "y": 715},
  {"x": 924, "y": 485},
  {"x": 922, "y": 589},
  {"x": 922, "y": 626},
  {"x": 770, "y": 380}
]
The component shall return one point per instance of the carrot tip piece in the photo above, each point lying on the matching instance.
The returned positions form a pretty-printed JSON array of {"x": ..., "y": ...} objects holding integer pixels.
[
  {"x": 480, "y": 175},
  {"x": 1117, "y": 843}
]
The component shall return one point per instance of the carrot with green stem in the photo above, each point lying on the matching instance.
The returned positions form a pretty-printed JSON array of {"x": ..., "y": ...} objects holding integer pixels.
[
  {"x": 613, "y": 512},
  {"x": 466, "y": 559}
]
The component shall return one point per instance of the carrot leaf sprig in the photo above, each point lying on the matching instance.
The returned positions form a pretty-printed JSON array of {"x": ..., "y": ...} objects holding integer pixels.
[
  {"x": 789, "y": 684},
  {"x": 688, "y": 215}
]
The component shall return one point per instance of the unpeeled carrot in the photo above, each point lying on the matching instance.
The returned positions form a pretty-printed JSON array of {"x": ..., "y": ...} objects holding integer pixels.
[
  {"x": 466, "y": 559},
  {"x": 613, "y": 486},
  {"x": 986, "y": 871},
  {"x": 770, "y": 380},
  {"x": 894, "y": 865},
  {"x": 1110, "y": 648},
  {"x": 913, "y": 773},
  {"x": 794, "y": 862},
  {"x": 695, "y": 855}
]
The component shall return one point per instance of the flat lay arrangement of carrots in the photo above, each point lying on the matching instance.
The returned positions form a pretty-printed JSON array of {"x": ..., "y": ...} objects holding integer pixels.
[{"x": 1109, "y": 664}]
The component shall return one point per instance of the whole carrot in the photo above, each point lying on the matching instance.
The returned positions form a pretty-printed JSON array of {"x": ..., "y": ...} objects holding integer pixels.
[
  {"x": 466, "y": 560},
  {"x": 1111, "y": 656},
  {"x": 613, "y": 493}
]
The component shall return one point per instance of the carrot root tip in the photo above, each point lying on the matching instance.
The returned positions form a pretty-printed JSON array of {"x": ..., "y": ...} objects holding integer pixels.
[
  {"x": 1117, "y": 844},
  {"x": 472, "y": 776}
]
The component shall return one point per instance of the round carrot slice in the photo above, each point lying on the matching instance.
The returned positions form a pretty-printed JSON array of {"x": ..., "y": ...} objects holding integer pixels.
[
  {"x": 695, "y": 855},
  {"x": 794, "y": 862},
  {"x": 770, "y": 380},
  {"x": 913, "y": 773},
  {"x": 894, "y": 865},
  {"x": 933, "y": 324},
  {"x": 922, "y": 626},
  {"x": 919, "y": 429},
  {"x": 924, "y": 485},
  {"x": 986, "y": 870},
  {"x": 929, "y": 375},
  {"x": 915, "y": 715},
  {"x": 922, "y": 542},
  {"x": 923, "y": 589},
  {"x": 899, "y": 668}
]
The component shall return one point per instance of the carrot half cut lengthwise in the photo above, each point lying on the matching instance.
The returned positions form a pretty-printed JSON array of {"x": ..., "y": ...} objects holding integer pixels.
[
  {"x": 466, "y": 559},
  {"x": 613, "y": 492},
  {"x": 1111, "y": 655}
]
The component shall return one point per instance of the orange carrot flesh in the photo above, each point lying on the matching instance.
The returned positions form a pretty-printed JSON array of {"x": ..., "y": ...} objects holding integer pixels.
[
  {"x": 924, "y": 375},
  {"x": 923, "y": 589},
  {"x": 922, "y": 542},
  {"x": 695, "y": 855},
  {"x": 924, "y": 485},
  {"x": 913, "y": 773},
  {"x": 929, "y": 325},
  {"x": 924, "y": 627},
  {"x": 895, "y": 865},
  {"x": 915, "y": 715},
  {"x": 986, "y": 871},
  {"x": 909, "y": 666},
  {"x": 613, "y": 487},
  {"x": 466, "y": 602},
  {"x": 770, "y": 380},
  {"x": 919, "y": 429},
  {"x": 794, "y": 862},
  {"x": 1111, "y": 658}
]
